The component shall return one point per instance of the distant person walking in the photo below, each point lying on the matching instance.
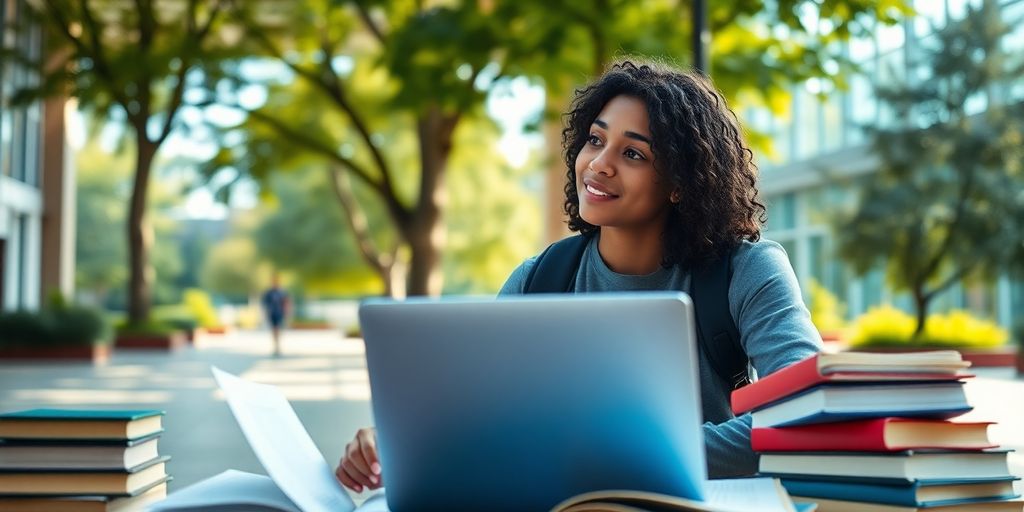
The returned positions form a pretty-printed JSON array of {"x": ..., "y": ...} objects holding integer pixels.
[{"x": 275, "y": 304}]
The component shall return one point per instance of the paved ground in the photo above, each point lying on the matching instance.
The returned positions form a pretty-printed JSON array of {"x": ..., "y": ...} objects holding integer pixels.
[{"x": 324, "y": 377}]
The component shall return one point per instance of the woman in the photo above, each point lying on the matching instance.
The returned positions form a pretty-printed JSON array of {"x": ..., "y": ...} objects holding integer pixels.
[{"x": 659, "y": 175}]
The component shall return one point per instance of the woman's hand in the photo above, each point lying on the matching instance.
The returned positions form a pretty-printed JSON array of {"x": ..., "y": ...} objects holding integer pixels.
[{"x": 359, "y": 468}]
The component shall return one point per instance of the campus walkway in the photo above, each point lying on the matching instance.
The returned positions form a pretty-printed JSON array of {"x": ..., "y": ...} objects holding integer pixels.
[{"x": 324, "y": 377}]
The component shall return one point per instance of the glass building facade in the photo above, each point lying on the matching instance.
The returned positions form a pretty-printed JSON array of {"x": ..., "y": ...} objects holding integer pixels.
[
  {"x": 820, "y": 145},
  {"x": 21, "y": 161}
]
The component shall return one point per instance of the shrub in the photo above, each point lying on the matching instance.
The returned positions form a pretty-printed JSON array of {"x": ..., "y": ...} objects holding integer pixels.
[
  {"x": 201, "y": 308},
  {"x": 886, "y": 326},
  {"x": 959, "y": 328},
  {"x": 177, "y": 316},
  {"x": 147, "y": 328},
  {"x": 80, "y": 326},
  {"x": 826, "y": 310},
  {"x": 67, "y": 325}
]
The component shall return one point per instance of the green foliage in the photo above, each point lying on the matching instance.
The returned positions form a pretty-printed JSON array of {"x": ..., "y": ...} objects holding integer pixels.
[
  {"x": 201, "y": 307},
  {"x": 945, "y": 204},
  {"x": 177, "y": 316},
  {"x": 64, "y": 326},
  {"x": 885, "y": 326},
  {"x": 826, "y": 310},
  {"x": 232, "y": 268},
  {"x": 305, "y": 234},
  {"x": 150, "y": 327},
  {"x": 372, "y": 90}
]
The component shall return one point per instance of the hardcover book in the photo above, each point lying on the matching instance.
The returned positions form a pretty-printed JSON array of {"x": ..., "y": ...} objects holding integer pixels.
[
  {"x": 842, "y": 367},
  {"x": 98, "y": 503},
  {"x": 917, "y": 494},
  {"x": 873, "y": 435},
  {"x": 76, "y": 453},
  {"x": 908, "y": 465},
  {"x": 831, "y": 403},
  {"x": 79, "y": 424},
  {"x": 83, "y": 482}
]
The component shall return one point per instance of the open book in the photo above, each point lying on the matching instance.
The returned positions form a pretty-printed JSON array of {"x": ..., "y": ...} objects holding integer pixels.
[{"x": 300, "y": 480}]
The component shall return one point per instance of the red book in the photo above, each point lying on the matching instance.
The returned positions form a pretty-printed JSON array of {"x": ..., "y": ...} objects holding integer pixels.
[
  {"x": 848, "y": 367},
  {"x": 874, "y": 435}
]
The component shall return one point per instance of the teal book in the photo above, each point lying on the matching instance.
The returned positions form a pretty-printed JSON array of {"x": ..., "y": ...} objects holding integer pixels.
[
  {"x": 916, "y": 494},
  {"x": 80, "y": 424}
]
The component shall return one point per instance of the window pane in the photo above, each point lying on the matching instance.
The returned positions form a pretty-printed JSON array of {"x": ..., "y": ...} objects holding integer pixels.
[{"x": 782, "y": 212}]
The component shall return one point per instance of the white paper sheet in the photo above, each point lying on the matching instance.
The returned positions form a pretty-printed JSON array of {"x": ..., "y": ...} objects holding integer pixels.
[
  {"x": 742, "y": 494},
  {"x": 283, "y": 446}
]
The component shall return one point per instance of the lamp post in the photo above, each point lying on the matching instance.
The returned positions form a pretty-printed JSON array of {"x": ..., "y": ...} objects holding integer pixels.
[{"x": 701, "y": 37}]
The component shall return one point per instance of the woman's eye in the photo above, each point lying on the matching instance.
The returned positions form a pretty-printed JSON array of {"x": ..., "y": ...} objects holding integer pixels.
[
  {"x": 633, "y": 154},
  {"x": 594, "y": 140}
]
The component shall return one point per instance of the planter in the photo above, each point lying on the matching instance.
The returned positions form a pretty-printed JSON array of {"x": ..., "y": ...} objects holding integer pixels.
[
  {"x": 97, "y": 354},
  {"x": 980, "y": 358},
  {"x": 171, "y": 341}
]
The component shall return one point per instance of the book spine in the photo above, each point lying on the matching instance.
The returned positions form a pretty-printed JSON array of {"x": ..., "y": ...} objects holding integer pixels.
[
  {"x": 777, "y": 385},
  {"x": 844, "y": 436}
]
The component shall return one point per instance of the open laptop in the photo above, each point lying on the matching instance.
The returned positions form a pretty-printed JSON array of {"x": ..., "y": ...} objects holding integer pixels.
[{"x": 519, "y": 403}]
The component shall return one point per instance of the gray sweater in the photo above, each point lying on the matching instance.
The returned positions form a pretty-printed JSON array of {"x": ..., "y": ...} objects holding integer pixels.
[{"x": 765, "y": 302}]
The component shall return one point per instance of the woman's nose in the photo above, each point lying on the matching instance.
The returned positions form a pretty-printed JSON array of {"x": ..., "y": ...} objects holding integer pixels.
[{"x": 601, "y": 165}]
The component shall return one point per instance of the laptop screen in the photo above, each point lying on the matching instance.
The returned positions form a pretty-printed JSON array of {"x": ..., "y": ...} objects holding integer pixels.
[{"x": 520, "y": 402}]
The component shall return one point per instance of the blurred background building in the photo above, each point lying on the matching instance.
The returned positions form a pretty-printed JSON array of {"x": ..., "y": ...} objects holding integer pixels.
[
  {"x": 821, "y": 148},
  {"x": 36, "y": 194}
]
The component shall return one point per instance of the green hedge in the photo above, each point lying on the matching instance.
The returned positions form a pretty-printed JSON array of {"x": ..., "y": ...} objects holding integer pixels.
[
  {"x": 147, "y": 328},
  {"x": 70, "y": 325}
]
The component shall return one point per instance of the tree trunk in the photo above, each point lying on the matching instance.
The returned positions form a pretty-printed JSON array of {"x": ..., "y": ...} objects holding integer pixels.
[
  {"x": 140, "y": 237},
  {"x": 921, "y": 300},
  {"x": 426, "y": 232}
]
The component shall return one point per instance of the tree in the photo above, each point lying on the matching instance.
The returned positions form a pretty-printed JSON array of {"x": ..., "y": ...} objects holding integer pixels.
[
  {"x": 103, "y": 189},
  {"x": 132, "y": 62},
  {"x": 423, "y": 68},
  {"x": 946, "y": 203}
]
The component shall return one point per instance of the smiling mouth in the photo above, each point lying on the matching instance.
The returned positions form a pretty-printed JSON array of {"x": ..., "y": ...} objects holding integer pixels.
[{"x": 597, "y": 192}]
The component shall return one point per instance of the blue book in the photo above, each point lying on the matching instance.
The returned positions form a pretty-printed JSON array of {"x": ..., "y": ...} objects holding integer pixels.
[
  {"x": 909, "y": 465},
  {"x": 916, "y": 494},
  {"x": 80, "y": 424},
  {"x": 830, "y": 403}
]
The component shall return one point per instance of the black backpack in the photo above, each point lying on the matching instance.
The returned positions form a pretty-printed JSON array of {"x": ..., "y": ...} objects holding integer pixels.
[{"x": 555, "y": 272}]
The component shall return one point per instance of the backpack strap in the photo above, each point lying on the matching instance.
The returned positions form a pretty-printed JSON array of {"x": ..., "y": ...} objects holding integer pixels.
[
  {"x": 716, "y": 331},
  {"x": 555, "y": 268}
]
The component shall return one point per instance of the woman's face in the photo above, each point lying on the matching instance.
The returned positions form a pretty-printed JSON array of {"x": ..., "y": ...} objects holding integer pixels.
[{"x": 616, "y": 181}]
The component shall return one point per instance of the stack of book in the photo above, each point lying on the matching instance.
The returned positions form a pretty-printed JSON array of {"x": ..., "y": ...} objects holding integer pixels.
[
  {"x": 872, "y": 432},
  {"x": 58, "y": 460}
]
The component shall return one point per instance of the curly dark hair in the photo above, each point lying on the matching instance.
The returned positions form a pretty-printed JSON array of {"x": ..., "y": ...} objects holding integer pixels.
[{"x": 698, "y": 149}]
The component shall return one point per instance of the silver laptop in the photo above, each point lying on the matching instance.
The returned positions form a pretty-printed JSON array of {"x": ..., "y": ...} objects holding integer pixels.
[{"x": 519, "y": 403}]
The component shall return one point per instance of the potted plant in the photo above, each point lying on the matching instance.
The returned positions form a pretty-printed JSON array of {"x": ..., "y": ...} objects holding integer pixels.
[{"x": 61, "y": 332}]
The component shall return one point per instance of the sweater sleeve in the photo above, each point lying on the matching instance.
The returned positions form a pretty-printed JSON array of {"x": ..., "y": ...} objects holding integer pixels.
[
  {"x": 516, "y": 282},
  {"x": 775, "y": 331}
]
